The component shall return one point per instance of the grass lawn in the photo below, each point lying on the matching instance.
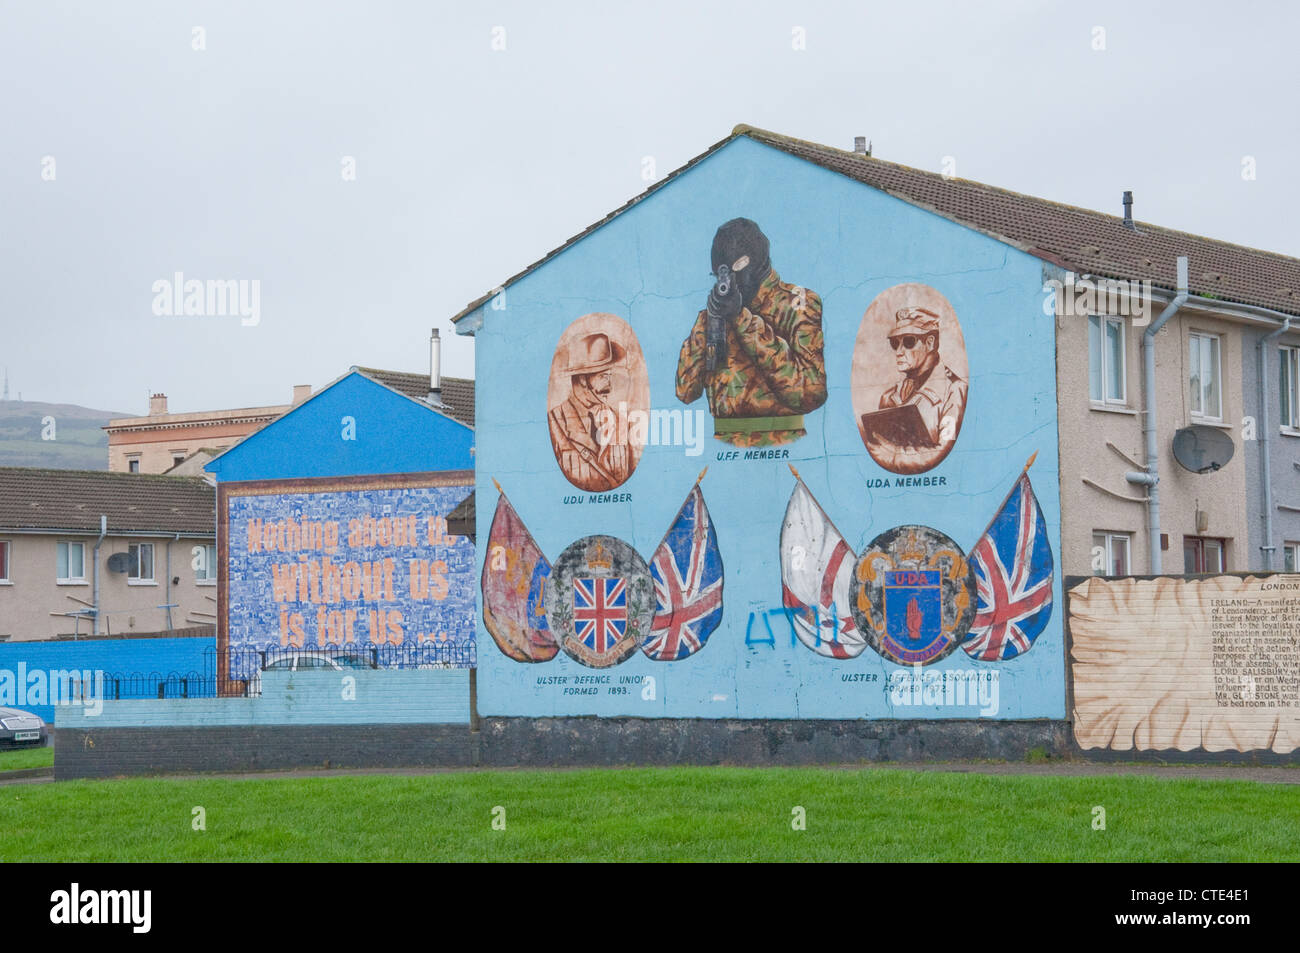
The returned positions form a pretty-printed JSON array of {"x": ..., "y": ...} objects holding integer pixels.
[
  {"x": 27, "y": 758},
  {"x": 731, "y": 814}
]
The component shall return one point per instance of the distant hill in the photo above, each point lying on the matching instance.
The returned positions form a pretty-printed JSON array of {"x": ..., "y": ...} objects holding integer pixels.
[{"x": 79, "y": 441}]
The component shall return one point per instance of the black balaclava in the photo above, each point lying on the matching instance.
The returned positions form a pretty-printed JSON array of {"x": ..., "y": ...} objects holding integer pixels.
[{"x": 737, "y": 238}]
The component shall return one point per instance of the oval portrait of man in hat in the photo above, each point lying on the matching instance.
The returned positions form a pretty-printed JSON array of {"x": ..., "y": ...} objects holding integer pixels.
[
  {"x": 598, "y": 402},
  {"x": 910, "y": 378}
]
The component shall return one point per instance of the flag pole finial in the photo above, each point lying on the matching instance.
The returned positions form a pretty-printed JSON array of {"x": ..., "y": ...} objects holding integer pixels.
[
  {"x": 701, "y": 476},
  {"x": 795, "y": 472},
  {"x": 1031, "y": 460},
  {"x": 498, "y": 486}
]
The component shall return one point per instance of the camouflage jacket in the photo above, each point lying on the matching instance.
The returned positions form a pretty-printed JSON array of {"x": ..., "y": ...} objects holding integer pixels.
[{"x": 774, "y": 367}]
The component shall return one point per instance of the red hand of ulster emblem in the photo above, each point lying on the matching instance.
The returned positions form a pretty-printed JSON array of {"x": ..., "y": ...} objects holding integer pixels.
[{"x": 913, "y": 620}]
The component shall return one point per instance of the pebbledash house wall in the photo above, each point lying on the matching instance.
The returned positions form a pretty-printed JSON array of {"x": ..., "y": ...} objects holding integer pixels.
[
  {"x": 1284, "y": 451},
  {"x": 33, "y": 591},
  {"x": 1087, "y": 428},
  {"x": 650, "y": 266}
]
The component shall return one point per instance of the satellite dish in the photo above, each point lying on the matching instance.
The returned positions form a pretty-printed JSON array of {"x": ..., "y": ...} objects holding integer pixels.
[
  {"x": 1202, "y": 449},
  {"x": 119, "y": 562}
]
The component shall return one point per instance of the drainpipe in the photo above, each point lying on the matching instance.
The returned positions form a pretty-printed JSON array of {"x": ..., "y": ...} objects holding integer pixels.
[
  {"x": 103, "y": 531},
  {"x": 1151, "y": 479},
  {"x": 168, "y": 597},
  {"x": 1265, "y": 437}
]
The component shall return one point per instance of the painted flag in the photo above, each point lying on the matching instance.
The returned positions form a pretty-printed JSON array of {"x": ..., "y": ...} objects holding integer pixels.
[
  {"x": 687, "y": 573},
  {"x": 514, "y": 581},
  {"x": 599, "y": 612},
  {"x": 816, "y": 569},
  {"x": 1013, "y": 579}
]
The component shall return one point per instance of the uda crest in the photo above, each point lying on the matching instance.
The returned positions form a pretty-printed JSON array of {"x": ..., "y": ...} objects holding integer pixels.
[{"x": 913, "y": 595}]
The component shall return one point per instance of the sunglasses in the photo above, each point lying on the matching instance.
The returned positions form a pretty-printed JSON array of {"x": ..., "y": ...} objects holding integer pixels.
[{"x": 908, "y": 341}]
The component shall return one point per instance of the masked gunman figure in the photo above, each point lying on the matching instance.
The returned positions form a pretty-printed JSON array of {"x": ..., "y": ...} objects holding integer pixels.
[
  {"x": 581, "y": 429},
  {"x": 756, "y": 348}
]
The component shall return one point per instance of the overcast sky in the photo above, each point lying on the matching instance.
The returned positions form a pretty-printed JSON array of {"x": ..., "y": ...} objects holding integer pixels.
[{"x": 228, "y": 161}]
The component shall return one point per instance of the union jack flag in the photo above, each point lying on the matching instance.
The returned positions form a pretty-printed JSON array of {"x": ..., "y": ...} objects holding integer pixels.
[
  {"x": 1013, "y": 575},
  {"x": 599, "y": 612},
  {"x": 687, "y": 573}
]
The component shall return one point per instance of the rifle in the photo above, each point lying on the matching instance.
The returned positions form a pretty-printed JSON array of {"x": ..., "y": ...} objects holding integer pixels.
[{"x": 715, "y": 329}]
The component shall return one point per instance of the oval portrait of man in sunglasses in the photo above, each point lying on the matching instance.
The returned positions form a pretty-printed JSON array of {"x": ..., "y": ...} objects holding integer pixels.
[{"x": 910, "y": 378}]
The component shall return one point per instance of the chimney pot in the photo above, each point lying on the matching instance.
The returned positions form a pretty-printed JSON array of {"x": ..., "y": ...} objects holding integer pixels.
[
  {"x": 1128, "y": 210},
  {"x": 435, "y": 367}
]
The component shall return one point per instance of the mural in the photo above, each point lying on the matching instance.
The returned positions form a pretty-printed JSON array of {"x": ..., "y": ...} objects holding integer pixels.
[
  {"x": 598, "y": 384},
  {"x": 600, "y": 602},
  {"x": 756, "y": 347},
  {"x": 753, "y": 601},
  {"x": 913, "y": 596},
  {"x": 1186, "y": 664},
  {"x": 910, "y": 378},
  {"x": 359, "y": 562}
]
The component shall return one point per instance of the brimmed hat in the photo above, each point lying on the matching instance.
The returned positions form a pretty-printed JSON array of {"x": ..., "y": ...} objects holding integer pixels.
[
  {"x": 592, "y": 354},
  {"x": 915, "y": 321}
]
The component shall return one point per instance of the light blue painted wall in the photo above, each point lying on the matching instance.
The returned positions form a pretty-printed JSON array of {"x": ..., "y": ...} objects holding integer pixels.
[
  {"x": 303, "y": 698},
  {"x": 393, "y": 434},
  {"x": 151, "y": 658},
  {"x": 650, "y": 266}
]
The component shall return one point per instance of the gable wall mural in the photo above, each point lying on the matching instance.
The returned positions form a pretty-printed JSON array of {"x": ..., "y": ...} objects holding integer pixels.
[{"x": 770, "y": 444}]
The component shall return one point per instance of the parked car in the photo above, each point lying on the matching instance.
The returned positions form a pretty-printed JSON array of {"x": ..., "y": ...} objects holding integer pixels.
[
  {"x": 307, "y": 661},
  {"x": 21, "y": 729}
]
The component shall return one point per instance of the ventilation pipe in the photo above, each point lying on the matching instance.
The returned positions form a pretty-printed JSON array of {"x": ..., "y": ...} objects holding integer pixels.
[
  {"x": 1265, "y": 438},
  {"x": 435, "y": 368},
  {"x": 1151, "y": 479}
]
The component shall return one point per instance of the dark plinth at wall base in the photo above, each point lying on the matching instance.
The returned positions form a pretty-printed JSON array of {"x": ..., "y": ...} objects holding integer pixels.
[
  {"x": 536, "y": 742},
  {"x": 112, "y": 752},
  {"x": 545, "y": 742}
]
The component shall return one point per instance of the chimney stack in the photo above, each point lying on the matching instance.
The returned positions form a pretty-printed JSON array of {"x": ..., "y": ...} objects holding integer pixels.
[
  {"x": 435, "y": 368},
  {"x": 861, "y": 146},
  {"x": 1128, "y": 211},
  {"x": 157, "y": 404},
  {"x": 300, "y": 393}
]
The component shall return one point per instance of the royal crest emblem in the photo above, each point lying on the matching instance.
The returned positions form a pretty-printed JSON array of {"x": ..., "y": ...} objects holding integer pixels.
[
  {"x": 913, "y": 595},
  {"x": 600, "y": 601}
]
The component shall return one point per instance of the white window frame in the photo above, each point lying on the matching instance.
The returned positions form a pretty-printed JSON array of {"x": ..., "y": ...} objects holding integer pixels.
[
  {"x": 1290, "y": 390},
  {"x": 1292, "y": 550},
  {"x": 1195, "y": 338},
  {"x": 70, "y": 580},
  {"x": 1103, "y": 322},
  {"x": 6, "y": 565},
  {"x": 210, "y": 555},
  {"x": 1111, "y": 540},
  {"x": 137, "y": 579}
]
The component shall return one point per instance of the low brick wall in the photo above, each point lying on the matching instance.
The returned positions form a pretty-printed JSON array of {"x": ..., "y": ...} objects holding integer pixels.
[{"x": 105, "y": 751}]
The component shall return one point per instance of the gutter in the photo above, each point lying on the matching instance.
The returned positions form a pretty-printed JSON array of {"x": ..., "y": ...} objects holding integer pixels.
[
  {"x": 1151, "y": 478},
  {"x": 103, "y": 531},
  {"x": 1265, "y": 439}
]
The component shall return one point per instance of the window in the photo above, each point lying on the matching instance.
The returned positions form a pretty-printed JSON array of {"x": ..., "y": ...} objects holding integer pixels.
[
  {"x": 206, "y": 574},
  {"x": 4, "y": 560},
  {"x": 1290, "y": 557},
  {"x": 141, "y": 570},
  {"x": 133, "y": 466},
  {"x": 71, "y": 559},
  {"x": 1110, "y": 554},
  {"x": 1106, "y": 367},
  {"x": 1203, "y": 376},
  {"x": 177, "y": 459},
  {"x": 1289, "y": 388},
  {"x": 1204, "y": 554}
]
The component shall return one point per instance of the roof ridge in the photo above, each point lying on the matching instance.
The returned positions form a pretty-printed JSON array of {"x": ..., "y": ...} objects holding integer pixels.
[{"x": 760, "y": 135}]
